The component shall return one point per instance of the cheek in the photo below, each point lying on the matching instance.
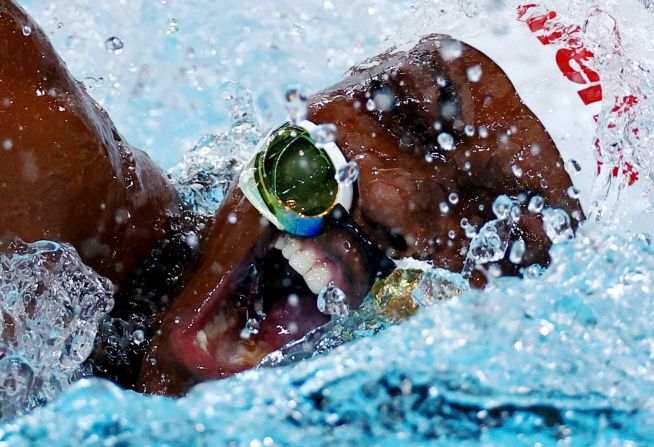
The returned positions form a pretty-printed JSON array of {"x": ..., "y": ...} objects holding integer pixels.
[{"x": 396, "y": 201}]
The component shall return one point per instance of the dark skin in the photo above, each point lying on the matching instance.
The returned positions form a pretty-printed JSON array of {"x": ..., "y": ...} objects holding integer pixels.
[{"x": 70, "y": 177}]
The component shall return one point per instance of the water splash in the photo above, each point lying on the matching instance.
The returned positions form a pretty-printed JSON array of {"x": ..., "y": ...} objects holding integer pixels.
[
  {"x": 211, "y": 166},
  {"x": 561, "y": 357},
  {"x": 51, "y": 305}
]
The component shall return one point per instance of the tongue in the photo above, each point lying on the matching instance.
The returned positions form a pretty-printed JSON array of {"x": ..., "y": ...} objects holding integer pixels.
[{"x": 285, "y": 323}]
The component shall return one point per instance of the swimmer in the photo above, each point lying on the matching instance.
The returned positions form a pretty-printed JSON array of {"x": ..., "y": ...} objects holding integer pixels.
[{"x": 66, "y": 174}]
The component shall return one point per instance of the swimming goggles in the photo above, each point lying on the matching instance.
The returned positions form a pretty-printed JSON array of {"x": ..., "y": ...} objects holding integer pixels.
[{"x": 292, "y": 182}]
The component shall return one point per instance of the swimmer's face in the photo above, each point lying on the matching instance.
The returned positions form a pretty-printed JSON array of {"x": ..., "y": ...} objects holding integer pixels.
[{"x": 413, "y": 191}]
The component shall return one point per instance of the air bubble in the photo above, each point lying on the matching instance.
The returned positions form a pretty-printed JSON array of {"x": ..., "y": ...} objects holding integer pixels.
[
  {"x": 517, "y": 171},
  {"x": 27, "y": 30},
  {"x": 114, "y": 44},
  {"x": 231, "y": 218},
  {"x": 453, "y": 198},
  {"x": 469, "y": 130},
  {"x": 324, "y": 133},
  {"x": 7, "y": 144},
  {"x": 444, "y": 207},
  {"x": 483, "y": 131},
  {"x": 348, "y": 173}
]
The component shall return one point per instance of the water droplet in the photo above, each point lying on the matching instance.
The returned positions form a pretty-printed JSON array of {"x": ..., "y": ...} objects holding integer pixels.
[
  {"x": 91, "y": 83},
  {"x": 446, "y": 141},
  {"x": 114, "y": 44},
  {"x": 470, "y": 231},
  {"x": 296, "y": 105},
  {"x": 533, "y": 271},
  {"x": 348, "y": 173},
  {"x": 173, "y": 26},
  {"x": 474, "y": 73},
  {"x": 293, "y": 300},
  {"x": 517, "y": 171},
  {"x": 27, "y": 30},
  {"x": 572, "y": 166},
  {"x": 324, "y": 133},
  {"x": 517, "y": 251},
  {"x": 252, "y": 326},
  {"x": 384, "y": 100},
  {"x": 332, "y": 301},
  {"x": 450, "y": 50},
  {"x": 536, "y": 204},
  {"x": 122, "y": 216},
  {"x": 556, "y": 223},
  {"x": 138, "y": 336},
  {"x": 502, "y": 206},
  {"x": 192, "y": 240},
  {"x": 469, "y": 130},
  {"x": 453, "y": 198},
  {"x": 515, "y": 212},
  {"x": 573, "y": 192}
]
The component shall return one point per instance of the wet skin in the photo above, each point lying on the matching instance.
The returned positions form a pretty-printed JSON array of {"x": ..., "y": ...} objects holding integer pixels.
[
  {"x": 404, "y": 178},
  {"x": 69, "y": 176},
  {"x": 65, "y": 172}
]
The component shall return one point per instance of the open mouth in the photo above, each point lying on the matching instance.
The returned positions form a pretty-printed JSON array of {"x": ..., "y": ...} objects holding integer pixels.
[{"x": 268, "y": 300}]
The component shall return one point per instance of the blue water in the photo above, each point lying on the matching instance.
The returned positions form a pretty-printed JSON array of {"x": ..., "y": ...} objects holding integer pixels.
[
  {"x": 559, "y": 359},
  {"x": 562, "y": 358}
]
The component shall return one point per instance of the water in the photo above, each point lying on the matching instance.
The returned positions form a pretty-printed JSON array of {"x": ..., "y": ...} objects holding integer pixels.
[
  {"x": 563, "y": 356},
  {"x": 51, "y": 307}
]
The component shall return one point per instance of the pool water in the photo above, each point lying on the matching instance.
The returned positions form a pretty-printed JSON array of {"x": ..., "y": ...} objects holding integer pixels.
[{"x": 561, "y": 356}]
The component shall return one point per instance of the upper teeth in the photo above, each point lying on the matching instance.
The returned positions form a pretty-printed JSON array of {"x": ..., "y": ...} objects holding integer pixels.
[{"x": 305, "y": 261}]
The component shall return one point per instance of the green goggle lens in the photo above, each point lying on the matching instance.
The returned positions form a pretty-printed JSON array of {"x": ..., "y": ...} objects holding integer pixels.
[
  {"x": 291, "y": 181},
  {"x": 294, "y": 173}
]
